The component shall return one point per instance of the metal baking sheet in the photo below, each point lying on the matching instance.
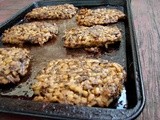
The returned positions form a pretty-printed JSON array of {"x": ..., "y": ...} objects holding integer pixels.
[{"x": 132, "y": 99}]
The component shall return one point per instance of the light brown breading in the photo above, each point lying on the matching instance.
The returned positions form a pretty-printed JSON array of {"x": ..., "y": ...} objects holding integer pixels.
[
  {"x": 101, "y": 16},
  {"x": 65, "y": 11},
  {"x": 94, "y": 36},
  {"x": 34, "y": 32},
  {"x": 14, "y": 63},
  {"x": 79, "y": 81}
]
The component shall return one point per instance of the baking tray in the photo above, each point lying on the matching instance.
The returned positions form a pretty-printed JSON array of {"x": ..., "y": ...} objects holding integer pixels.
[{"x": 17, "y": 99}]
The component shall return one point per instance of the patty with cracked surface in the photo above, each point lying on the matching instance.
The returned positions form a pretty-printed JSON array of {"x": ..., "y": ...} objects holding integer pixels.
[
  {"x": 14, "y": 63},
  {"x": 65, "y": 11},
  {"x": 79, "y": 81},
  {"x": 34, "y": 32},
  {"x": 94, "y": 36},
  {"x": 101, "y": 16}
]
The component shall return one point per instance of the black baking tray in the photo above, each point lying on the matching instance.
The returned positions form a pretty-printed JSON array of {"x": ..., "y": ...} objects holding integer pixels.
[{"x": 17, "y": 99}]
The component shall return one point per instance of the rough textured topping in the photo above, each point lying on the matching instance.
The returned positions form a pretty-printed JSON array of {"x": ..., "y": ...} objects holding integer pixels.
[
  {"x": 35, "y": 32},
  {"x": 65, "y": 11},
  {"x": 94, "y": 36},
  {"x": 79, "y": 81},
  {"x": 14, "y": 63},
  {"x": 101, "y": 16}
]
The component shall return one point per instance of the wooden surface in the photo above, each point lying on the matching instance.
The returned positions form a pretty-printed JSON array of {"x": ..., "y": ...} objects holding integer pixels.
[{"x": 146, "y": 16}]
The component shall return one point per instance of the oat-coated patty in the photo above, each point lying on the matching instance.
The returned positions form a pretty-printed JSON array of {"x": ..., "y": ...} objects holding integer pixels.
[
  {"x": 64, "y": 11},
  {"x": 89, "y": 17},
  {"x": 94, "y": 36},
  {"x": 79, "y": 81},
  {"x": 14, "y": 63},
  {"x": 34, "y": 32}
]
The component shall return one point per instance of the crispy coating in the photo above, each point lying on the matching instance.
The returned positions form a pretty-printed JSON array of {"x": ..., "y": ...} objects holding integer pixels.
[
  {"x": 79, "y": 81},
  {"x": 101, "y": 16},
  {"x": 14, "y": 63},
  {"x": 65, "y": 11},
  {"x": 34, "y": 32},
  {"x": 94, "y": 36}
]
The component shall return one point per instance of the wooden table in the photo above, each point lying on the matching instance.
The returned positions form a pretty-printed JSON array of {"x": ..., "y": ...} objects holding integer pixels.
[{"x": 146, "y": 16}]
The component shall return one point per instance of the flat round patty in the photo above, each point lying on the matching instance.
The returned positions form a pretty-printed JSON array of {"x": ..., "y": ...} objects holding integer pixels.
[
  {"x": 89, "y": 17},
  {"x": 14, "y": 63},
  {"x": 94, "y": 36},
  {"x": 79, "y": 81},
  {"x": 65, "y": 11},
  {"x": 34, "y": 32}
]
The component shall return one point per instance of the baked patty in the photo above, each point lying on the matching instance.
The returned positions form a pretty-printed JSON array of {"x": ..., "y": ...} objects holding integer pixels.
[
  {"x": 101, "y": 16},
  {"x": 34, "y": 32},
  {"x": 65, "y": 11},
  {"x": 94, "y": 36},
  {"x": 79, "y": 81},
  {"x": 14, "y": 63}
]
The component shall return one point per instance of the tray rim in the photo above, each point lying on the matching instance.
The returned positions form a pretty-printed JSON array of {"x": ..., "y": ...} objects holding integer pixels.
[
  {"x": 137, "y": 55},
  {"x": 136, "y": 61}
]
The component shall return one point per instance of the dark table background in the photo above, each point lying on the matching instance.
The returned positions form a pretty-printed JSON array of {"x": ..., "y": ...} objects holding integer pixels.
[{"x": 146, "y": 17}]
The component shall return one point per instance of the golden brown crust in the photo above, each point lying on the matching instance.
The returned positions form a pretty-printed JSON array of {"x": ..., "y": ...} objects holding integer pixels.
[
  {"x": 14, "y": 62},
  {"x": 94, "y": 36},
  {"x": 65, "y": 11},
  {"x": 79, "y": 81},
  {"x": 34, "y": 32},
  {"x": 88, "y": 17}
]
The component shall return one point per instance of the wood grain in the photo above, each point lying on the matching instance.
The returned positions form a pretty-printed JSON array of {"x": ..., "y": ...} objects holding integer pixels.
[
  {"x": 147, "y": 21},
  {"x": 146, "y": 18}
]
